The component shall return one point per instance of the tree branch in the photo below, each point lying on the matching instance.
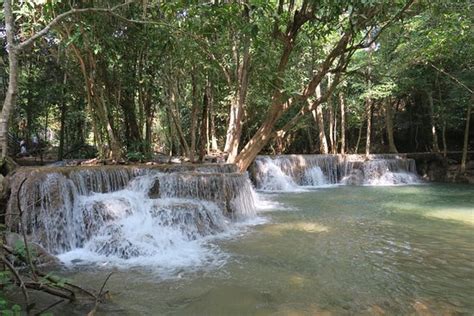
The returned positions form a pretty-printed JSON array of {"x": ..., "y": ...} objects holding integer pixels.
[
  {"x": 393, "y": 19},
  {"x": 19, "y": 280},
  {"x": 452, "y": 78},
  {"x": 62, "y": 16}
]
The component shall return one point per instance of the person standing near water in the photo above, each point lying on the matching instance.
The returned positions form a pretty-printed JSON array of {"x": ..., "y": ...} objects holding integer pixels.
[
  {"x": 23, "y": 151},
  {"x": 34, "y": 142}
]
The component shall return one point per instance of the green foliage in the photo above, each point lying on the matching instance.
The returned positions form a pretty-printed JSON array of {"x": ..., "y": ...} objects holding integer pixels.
[
  {"x": 9, "y": 310},
  {"x": 136, "y": 156},
  {"x": 139, "y": 72}
]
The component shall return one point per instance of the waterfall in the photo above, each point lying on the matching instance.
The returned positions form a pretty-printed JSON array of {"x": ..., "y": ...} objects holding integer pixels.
[
  {"x": 314, "y": 176},
  {"x": 288, "y": 172},
  {"x": 129, "y": 214},
  {"x": 271, "y": 176}
]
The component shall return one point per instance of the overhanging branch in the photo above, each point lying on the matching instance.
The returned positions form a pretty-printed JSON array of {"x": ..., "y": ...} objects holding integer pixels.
[{"x": 62, "y": 16}]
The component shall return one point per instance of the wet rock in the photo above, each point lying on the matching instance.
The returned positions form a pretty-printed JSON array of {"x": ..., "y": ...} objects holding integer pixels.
[
  {"x": 7, "y": 166},
  {"x": 154, "y": 192}
]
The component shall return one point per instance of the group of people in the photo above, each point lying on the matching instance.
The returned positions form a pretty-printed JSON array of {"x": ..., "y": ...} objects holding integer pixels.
[{"x": 34, "y": 146}]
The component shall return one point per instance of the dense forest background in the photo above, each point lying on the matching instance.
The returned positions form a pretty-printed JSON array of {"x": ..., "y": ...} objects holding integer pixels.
[{"x": 129, "y": 80}]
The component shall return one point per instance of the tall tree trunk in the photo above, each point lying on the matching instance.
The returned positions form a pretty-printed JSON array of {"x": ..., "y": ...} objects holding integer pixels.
[
  {"x": 132, "y": 130},
  {"x": 204, "y": 128},
  {"x": 279, "y": 102},
  {"x": 177, "y": 123},
  {"x": 98, "y": 142},
  {"x": 331, "y": 118},
  {"x": 212, "y": 116},
  {"x": 368, "y": 110},
  {"x": 368, "y": 105},
  {"x": 149, "y": 117},
  {"x": 466, "y": 136},
  {"x": 434, "y": 134},
  {"x": 310, "y": 140},
  {"x": 63, "y": 120},
  {"x": 336, "y": 144},
  {"x": 115, "y": 144},
  {"x": 234, "y": 131},
  {"x": 389, "y": 125},
  {"x": 359, "y": 137},
  {"x": 12, "y": 90},
  {"x": 194, "y": 117},
  {"x": 319, "y": 119},
  {"x": 440, "y": 104},
  {"x": 342, "y": 104},
  {"x": 443, "y": 136}
]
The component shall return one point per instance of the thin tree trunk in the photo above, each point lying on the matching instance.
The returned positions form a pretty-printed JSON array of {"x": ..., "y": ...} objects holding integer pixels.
[
  {"x": 95, "y": 128},
  {"x": 331, "y": 118},
  {"x": 12, "y": 91},
  {"x": 389, "y": 126},
  {"x": 132, "y": 130},
  {"x": 204, "y": 128},
  {"x": 212, "y": 116},
  {"x": 342, "y": 104},
  {"x": 443, "y": 136},
  {"x": 170, "y": 132},
  {"x": 177, "y": 124},
  {"x": 434, "y": 134},
  {"x": 359, "y": 137},
  {"x": 63, "y": 120},
  {"x": 194, "y": 118},
  {"x": 319, "y": 119},
  {"x": 336, "y": 144},
  {"x": 440, "y": 104},
  {"x": 234, "y": 130},
  {"x": 115, "y": 144},
  {"x": 310, "y": 140},
  {"x": 368, "y": 110},
  {"x": 279, "y": 103},
  {"x": 466, "y": 136}
]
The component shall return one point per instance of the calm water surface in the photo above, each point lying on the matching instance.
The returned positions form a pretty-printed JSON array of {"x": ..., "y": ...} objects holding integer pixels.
[{"x": 332, "y": 251}]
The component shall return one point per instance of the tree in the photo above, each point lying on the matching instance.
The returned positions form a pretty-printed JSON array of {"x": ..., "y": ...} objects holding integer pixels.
[
  {"x": 15, "y": 48},
  {"x": 358, "y": 19}
]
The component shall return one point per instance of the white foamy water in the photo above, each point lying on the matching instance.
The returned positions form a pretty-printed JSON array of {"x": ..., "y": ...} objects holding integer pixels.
[
  {"x": 314, "y": 176},
  {"x": 168, "y": 221},
  {"x": 273, "y": 178},
  {"x": 293, "y": 173}
]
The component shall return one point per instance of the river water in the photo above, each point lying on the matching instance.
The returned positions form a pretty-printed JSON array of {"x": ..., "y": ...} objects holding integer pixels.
[{"x": 340, "y": 250}]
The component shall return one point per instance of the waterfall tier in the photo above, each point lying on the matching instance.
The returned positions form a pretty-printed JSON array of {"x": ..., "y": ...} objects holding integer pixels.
[
  {"x": 129, "y": 213},
  {"x": 288, "y": 172}
]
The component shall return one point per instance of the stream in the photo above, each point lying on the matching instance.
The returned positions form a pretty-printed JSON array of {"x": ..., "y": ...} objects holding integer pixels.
[{"x": 333, "y": 251}]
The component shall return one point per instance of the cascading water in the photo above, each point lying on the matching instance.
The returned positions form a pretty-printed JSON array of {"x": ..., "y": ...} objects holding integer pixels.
[
  {"x": 132, "y": 216},
  {"x": 288, "y": 172},
  {"x": 272, "y": 177},
  {"x": 314, "y": 176}
]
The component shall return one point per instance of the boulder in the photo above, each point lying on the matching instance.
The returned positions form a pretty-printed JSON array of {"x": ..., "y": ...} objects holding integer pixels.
[{"x": 154, "y": 192}]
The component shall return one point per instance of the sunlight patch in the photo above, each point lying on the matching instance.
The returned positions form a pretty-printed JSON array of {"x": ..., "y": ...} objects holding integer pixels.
[
  {"x": 465, "y": 216},
  {"x": 307, "y": 227}
]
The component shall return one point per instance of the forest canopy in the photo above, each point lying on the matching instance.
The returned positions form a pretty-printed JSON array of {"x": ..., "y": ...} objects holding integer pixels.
[{"x": 134, "y": 79}]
